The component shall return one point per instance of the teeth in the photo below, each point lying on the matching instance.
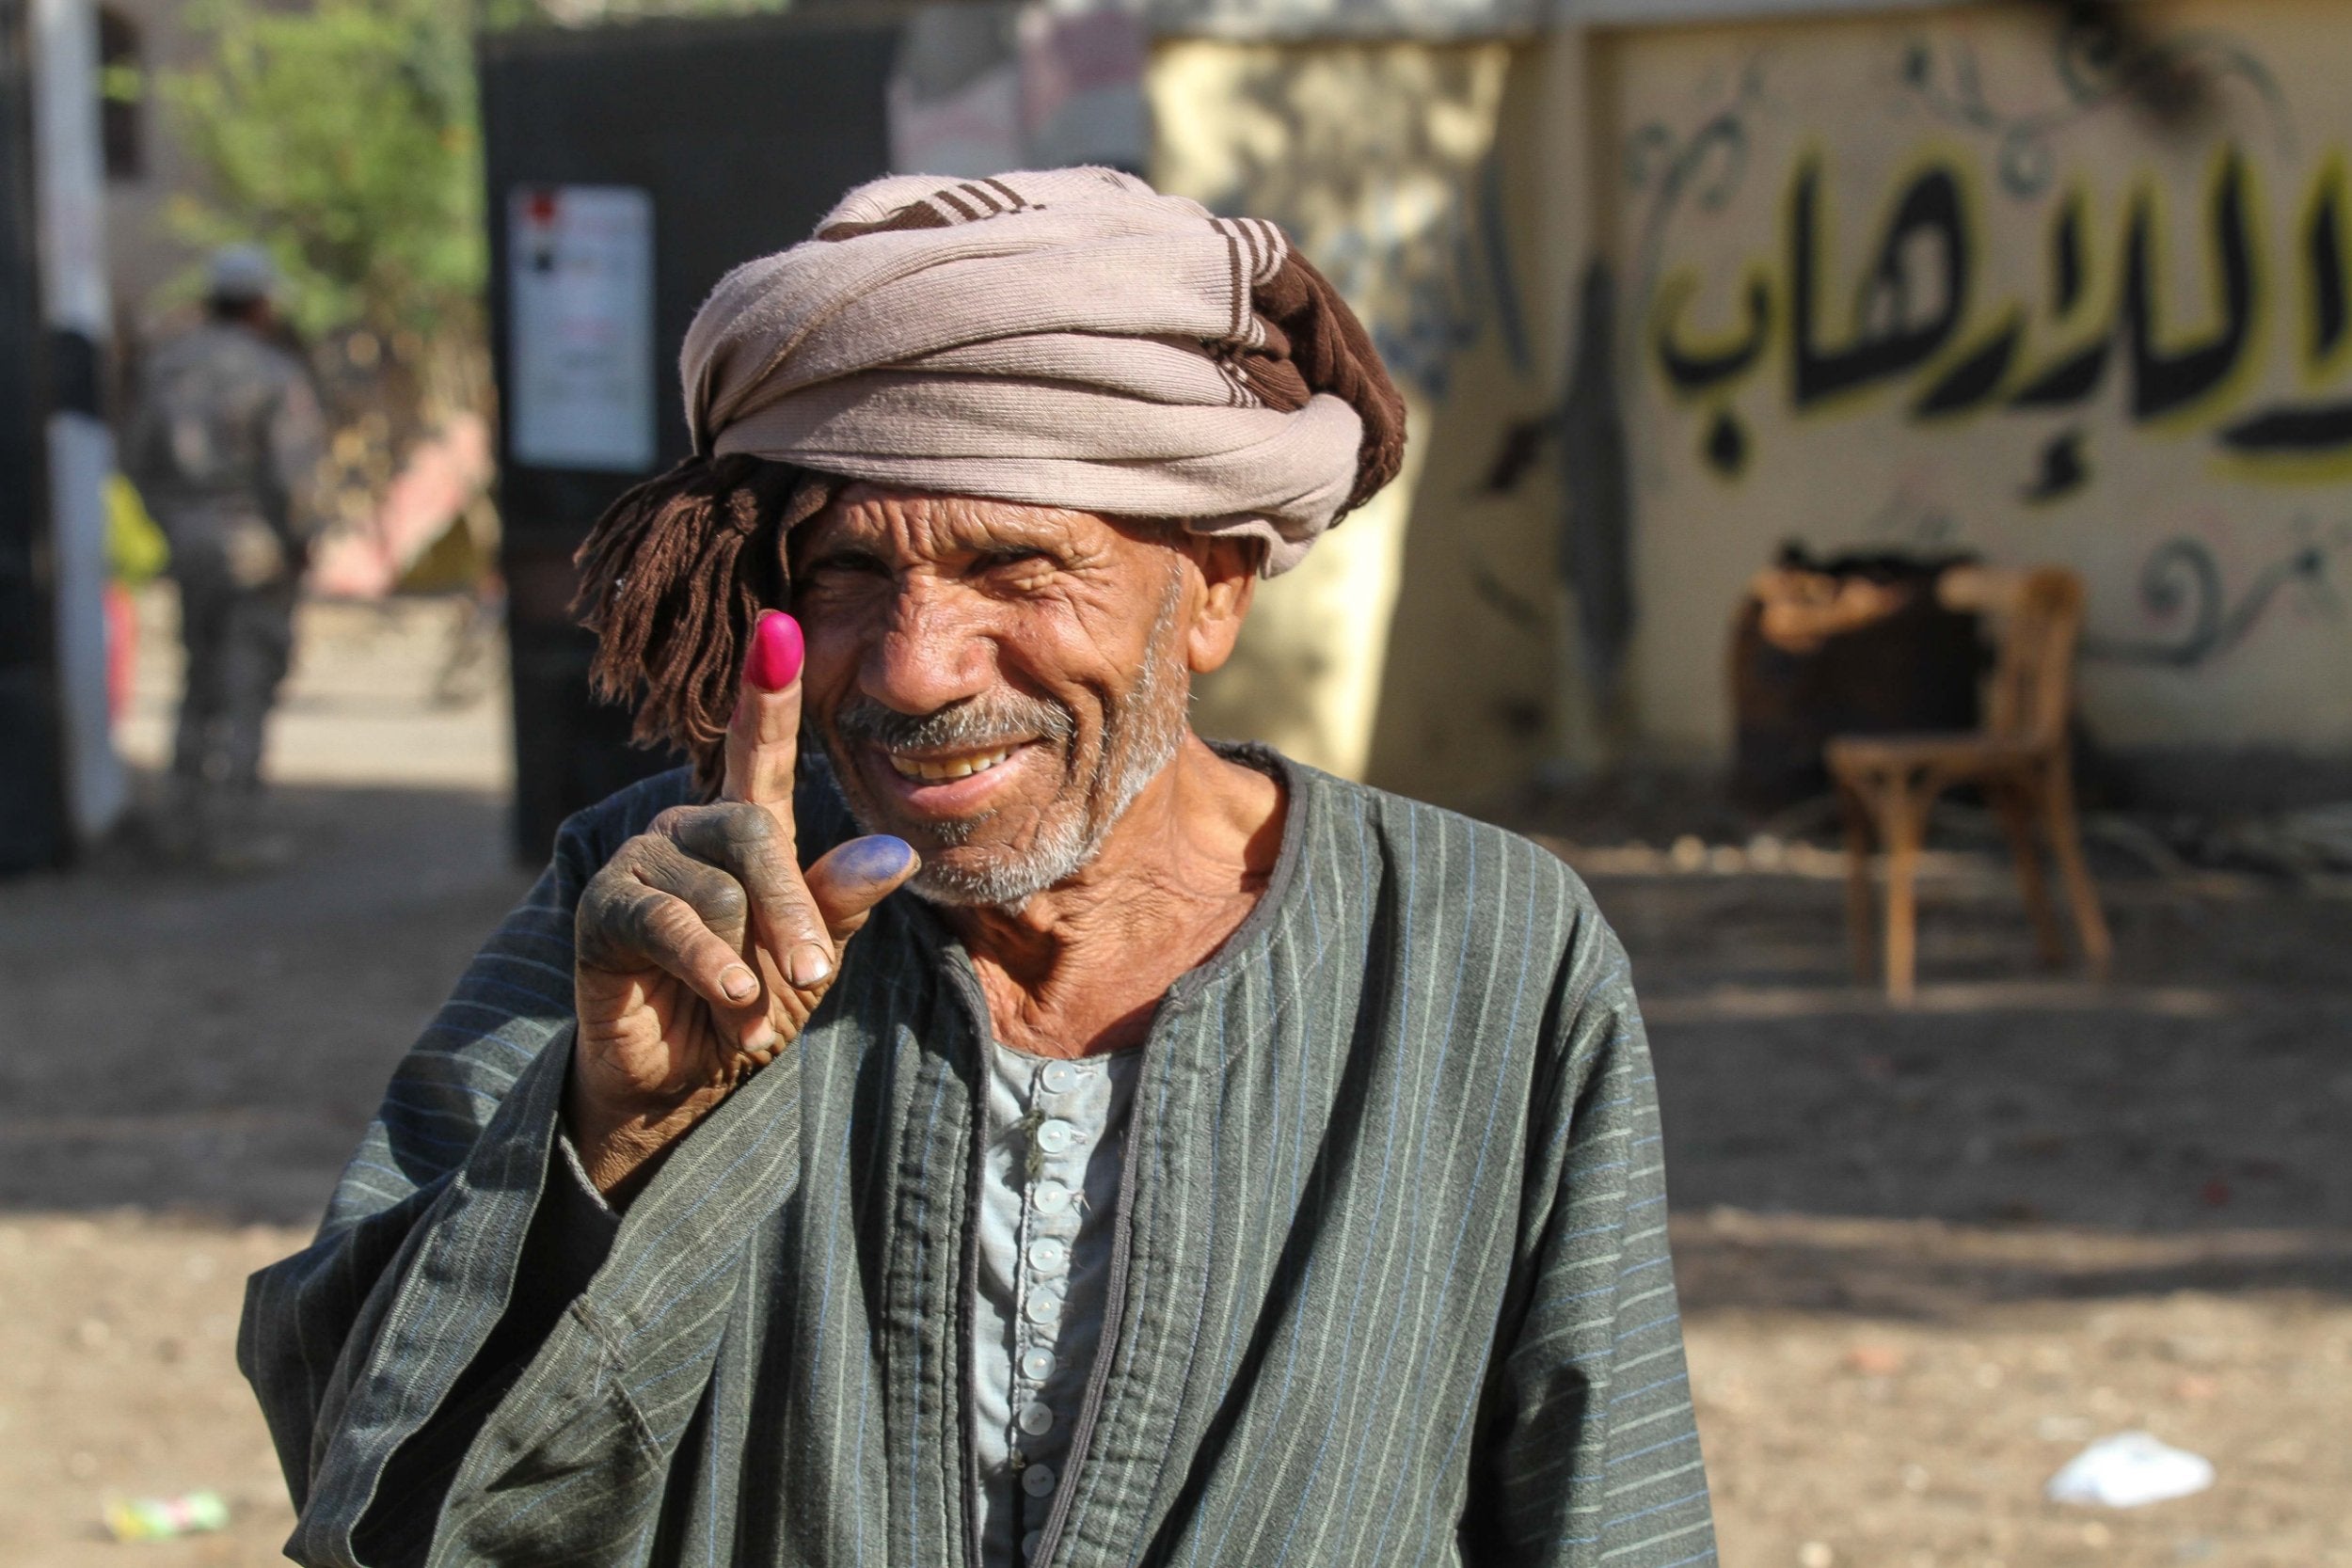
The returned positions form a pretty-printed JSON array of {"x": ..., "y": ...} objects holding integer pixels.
[{"x": 949, "y": 768}]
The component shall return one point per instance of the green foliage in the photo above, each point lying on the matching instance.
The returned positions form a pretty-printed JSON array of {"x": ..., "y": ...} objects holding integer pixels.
[{"x": 343, "y": 138}]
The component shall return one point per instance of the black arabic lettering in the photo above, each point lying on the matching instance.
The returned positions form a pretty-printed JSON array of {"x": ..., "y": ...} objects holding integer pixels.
[
  {"x": 2073, "y": 378},
  {"x": 2066, "y": 256},
  {"x": 2318, "y": 429},
  {"x": 2075, "y": 373},
  {"x": 1977, "y": 376},
  {"x": 2164, "y": 380},
  {"x": 2323, "y": 255},
  {"x": 1692, "y": 371},
  {"x": 1888, "y": 338},
  {"x": 1910, "y": 306}
]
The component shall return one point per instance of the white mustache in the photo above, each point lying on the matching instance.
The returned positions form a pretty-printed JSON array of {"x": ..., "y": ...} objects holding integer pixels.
[{"x": 976, "y": 723}]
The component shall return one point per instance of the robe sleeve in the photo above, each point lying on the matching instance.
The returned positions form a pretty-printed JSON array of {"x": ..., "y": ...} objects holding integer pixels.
[
  {"x": 1591, "y": 1449},
  {"x": 429, "y": 1149},
  {"x": 513, "y": 1382},
  {"x": 362, "y": 1345},
  {"x": 473, "y": 1335}
]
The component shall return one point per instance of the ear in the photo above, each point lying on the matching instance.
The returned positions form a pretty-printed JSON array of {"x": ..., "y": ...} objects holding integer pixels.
[{"x": 1228, "y": 568}]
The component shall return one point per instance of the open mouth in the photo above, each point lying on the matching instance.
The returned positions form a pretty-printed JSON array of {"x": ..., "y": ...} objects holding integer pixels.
[{"x": 940, "y": 769}]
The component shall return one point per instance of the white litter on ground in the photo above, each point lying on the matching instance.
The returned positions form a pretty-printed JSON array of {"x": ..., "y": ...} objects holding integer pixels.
[{"x": 2129, "y": 1470}]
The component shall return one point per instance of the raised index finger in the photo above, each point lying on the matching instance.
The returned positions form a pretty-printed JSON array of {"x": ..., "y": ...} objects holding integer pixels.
[{"x": 763, "y": 738}]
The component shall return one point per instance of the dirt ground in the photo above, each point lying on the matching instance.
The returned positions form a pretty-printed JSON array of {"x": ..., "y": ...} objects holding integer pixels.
[{"x": 1926, "y": 1256}]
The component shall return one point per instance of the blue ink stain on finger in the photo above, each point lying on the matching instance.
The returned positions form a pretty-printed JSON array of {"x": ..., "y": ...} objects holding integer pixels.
[{"x": 876, "y": 859}]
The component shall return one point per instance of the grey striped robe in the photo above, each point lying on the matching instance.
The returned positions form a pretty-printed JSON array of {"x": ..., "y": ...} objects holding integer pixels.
[{"x": 1391, "y": 1281}]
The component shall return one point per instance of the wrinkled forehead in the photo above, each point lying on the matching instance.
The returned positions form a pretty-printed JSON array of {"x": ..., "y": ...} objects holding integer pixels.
[{"x": 910, "y": 526}]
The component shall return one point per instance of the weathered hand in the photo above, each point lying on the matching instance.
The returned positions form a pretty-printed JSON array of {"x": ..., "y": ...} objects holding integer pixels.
[{"x": 701, "y": 948}]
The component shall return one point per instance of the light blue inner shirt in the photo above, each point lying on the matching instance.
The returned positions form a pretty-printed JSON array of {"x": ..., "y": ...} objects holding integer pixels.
[{"x": 1056, "y": 1135}]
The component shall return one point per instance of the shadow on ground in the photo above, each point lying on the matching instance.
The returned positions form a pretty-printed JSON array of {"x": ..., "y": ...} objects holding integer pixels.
[
  {"x": 1928, "y": 1271},
  {"x": 192, "y": 1043},
  {"x": 213, "y": 1046},
  {"x": 2018, "y": 1135}
]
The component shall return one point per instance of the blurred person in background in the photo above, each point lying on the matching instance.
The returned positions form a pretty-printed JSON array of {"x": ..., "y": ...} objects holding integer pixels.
[
  {"x": 1216, "y": 1161},
  {"x": 225, "y": 445}
]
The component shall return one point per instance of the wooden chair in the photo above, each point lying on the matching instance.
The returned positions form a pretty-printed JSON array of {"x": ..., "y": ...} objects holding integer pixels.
[{"x": 1887, "y": 785}]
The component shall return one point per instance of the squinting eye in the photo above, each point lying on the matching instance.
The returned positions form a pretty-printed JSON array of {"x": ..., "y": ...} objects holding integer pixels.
[{"x": 845, "y": 565}]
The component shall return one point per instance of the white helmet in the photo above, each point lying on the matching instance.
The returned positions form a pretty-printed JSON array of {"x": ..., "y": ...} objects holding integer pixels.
[{"x": 241, "y": 272}]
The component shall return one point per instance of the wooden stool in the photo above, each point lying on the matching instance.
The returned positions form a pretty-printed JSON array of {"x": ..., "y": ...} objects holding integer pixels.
[{"x": 1886, "y": 784}]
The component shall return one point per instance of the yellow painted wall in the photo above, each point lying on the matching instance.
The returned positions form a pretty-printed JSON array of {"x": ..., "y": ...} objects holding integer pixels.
[
  {"x": 1415, "y": 646},
  {"x": 1988, "y": 173}
]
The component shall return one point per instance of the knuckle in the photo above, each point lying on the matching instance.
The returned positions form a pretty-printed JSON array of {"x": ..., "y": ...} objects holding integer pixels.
[
  {"x": 669, "y": 923},
  {"x": 632, "y": 851},
  {"x": 723, "y": 898},
  {"x": 609, "y": 927},
  {"x": 599, "y": 901},
  {"x": 749, "y": 826},
  {"x": 640, "y": 918},
  {"x": 801, "y": 918}
]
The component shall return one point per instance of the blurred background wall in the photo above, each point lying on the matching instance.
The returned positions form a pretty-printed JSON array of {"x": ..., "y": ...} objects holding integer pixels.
[
  {"x": 1672, "y": 287},
  {"x": 2000, "y": 280},
  {"x": 1669, "y": 284}
]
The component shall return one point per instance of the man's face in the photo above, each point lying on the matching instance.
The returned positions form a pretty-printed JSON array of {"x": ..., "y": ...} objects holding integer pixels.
[{"x": 994, "y": 682}]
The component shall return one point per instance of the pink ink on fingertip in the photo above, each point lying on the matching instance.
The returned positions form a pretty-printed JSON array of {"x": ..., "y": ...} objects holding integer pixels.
[{"x": 777, "y": 648}]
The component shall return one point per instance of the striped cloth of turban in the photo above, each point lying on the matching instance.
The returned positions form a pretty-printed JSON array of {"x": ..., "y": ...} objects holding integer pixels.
[{"x": 1070, "y": 337}]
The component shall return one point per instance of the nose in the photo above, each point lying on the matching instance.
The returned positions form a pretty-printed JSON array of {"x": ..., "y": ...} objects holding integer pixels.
[{"x": 934, "y": 649}]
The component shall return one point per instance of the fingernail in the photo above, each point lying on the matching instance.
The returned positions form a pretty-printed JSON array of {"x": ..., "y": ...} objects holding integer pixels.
[
  {"x": 774, "y": 662},
  {"x": 877, "y": 859},
  {"x": 739, "y": 983},
  {"x": 807, "y": 966},
  {"x": 761, "y": 1038}
]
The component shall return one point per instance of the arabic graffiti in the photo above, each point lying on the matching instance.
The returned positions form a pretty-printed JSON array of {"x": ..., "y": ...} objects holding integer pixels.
[
  {"x": 1431, "y": 280},
  {"x": 1669, "y": 169},
  {"x": 1892, "y": 338},
  {"x": 2188, "y": 617},
  {"x": 2180, "y": 584},
  {"x": 1913, "y": 316},
  {"x": 2096, "y": 71}
]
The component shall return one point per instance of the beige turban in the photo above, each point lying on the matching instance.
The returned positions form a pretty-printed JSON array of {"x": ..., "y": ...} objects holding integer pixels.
[{"x": 1070, "y": 337}]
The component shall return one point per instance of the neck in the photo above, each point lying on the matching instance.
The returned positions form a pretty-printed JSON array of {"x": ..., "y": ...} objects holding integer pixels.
[{"x": 1080, "y": 967}]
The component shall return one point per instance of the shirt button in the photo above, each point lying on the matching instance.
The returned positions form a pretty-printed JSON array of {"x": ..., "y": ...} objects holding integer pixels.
[
  {"x": 1029, "y": 1543},
  {"x": 1056, "y": 1136},
  {"x": 1037, "y": 1364},
  {"x": 1048, "y": 1256},
  {"x": 1037, "y": 1479},
  {"x": 1050, "y": 1197},
  {"x": 1060, "y": 1077},
  {"x": 1044, "y": 1307},
  {"x": 1036, "y": 1420}
]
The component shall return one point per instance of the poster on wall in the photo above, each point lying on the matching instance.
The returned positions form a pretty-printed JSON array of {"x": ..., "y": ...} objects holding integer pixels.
[{"x": 579, "y": 261}]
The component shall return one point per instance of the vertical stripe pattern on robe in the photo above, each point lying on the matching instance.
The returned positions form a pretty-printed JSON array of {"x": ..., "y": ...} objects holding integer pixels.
[{"x": 1391, "y": 1283}]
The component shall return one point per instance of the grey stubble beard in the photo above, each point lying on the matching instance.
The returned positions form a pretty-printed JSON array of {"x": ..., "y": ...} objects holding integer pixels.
[{"x": 1140, "y": 737}]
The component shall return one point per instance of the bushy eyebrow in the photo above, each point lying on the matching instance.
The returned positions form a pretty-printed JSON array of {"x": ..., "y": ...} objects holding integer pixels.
[
  {"x": 840, "y": 545},
  {"x": 1009, "y": 550}
]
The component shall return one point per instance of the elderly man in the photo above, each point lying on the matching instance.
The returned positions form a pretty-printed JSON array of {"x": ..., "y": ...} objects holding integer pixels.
[{"x": 1214, "y": 1162}]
